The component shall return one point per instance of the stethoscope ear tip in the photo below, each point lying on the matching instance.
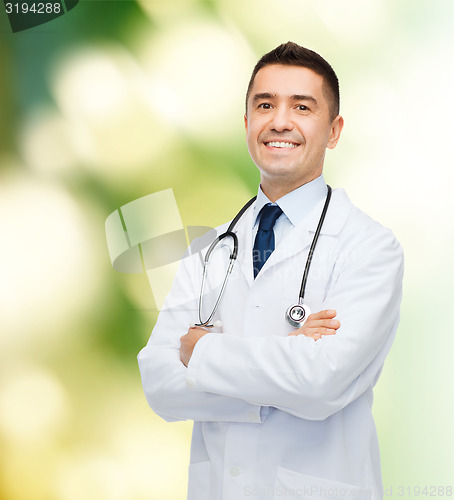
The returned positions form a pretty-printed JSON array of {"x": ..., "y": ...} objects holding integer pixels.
[{"x": 217, "y": 323}]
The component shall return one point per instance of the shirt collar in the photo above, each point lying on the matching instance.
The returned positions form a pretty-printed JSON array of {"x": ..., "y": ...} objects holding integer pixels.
[{"x": 297, "y": 204}]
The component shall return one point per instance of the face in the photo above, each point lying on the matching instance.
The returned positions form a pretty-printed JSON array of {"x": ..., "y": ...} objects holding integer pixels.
[{"x": 288, "y": 127}]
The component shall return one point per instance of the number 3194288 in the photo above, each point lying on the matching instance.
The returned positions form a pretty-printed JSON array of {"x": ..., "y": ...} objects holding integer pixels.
[{"x": 34, "y": 8}]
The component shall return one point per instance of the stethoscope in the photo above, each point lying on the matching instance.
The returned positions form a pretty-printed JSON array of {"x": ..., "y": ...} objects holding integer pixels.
[{"x": 297, "y": 313}]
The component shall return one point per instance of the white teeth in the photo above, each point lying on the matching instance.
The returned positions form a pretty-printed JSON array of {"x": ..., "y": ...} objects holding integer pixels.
[{"x": 281, "y": 144}]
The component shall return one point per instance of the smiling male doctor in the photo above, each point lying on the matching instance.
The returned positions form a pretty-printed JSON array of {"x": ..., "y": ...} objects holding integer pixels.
[{"x": 281, "y": 412}]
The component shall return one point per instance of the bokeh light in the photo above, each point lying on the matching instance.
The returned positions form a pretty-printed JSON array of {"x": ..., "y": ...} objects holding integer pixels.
[
  {"x": 49, "y": 271},
  {"x": 353, "y": 20},
  {"x": 204, "y": 68},
  {"x": 104, "y": 96},
  {"x": 47, "y": 143},
  {"x": 33, "y": 406}
]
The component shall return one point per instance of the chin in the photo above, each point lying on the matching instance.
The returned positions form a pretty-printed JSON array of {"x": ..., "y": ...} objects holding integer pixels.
[{"x": 278, "y": 171}]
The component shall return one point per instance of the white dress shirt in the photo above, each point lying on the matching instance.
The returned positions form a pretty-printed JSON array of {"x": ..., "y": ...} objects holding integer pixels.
[{"x": 295, "y": 206}]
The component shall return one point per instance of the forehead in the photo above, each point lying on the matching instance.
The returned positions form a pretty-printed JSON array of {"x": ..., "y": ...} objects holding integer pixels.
[{"x": 285, "y": 81}]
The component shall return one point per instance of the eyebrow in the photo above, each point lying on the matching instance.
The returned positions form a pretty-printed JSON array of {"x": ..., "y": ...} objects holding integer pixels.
[
  {"x": 300, "y": 97},
  {"x": 295, "y": 97}
]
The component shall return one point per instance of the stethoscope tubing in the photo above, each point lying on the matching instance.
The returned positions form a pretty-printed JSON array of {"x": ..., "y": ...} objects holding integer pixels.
[
  {"x": 234, "y": 255},
  {"x": 312, "y": 248}
]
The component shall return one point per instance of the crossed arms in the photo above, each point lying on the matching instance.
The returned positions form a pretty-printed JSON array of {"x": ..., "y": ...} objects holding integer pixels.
[
  {"x": 229, "y": 377},
  {"x": 316, "y": 325}
]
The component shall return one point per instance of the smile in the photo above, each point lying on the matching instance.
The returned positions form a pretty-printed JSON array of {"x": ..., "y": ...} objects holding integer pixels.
[{"x": 275, "y": 144}]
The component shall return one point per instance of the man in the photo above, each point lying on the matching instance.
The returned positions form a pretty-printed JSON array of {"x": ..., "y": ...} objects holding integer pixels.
[{"x": 282, "y": 411}]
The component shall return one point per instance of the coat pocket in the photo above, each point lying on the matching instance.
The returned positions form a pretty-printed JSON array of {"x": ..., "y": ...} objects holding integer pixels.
[
  {"x": 199, "y": 481},
  {"x": 302, "y": 486}
]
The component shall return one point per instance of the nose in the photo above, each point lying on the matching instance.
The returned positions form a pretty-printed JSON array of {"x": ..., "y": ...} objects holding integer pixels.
[{"x": 281, "y": 120}]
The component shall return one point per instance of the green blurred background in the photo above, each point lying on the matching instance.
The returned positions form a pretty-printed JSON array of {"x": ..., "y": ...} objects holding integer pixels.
[{"x": 119, "y": 99}]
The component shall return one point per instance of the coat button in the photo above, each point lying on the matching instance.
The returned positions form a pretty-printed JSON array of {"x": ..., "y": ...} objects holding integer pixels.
[
  {"x": 190, "y": 382},
  {"x": 234, "y": 471}
]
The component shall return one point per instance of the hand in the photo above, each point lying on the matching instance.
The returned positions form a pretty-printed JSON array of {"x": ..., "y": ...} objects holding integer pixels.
[
  {"x": 188, "y": 342},
  {"x": 318, "y": 324}
]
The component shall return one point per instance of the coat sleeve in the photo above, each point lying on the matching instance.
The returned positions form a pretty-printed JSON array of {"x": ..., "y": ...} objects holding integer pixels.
[
  {"x": 164, "y": 375},
  {"x": 314, "y": 379}
]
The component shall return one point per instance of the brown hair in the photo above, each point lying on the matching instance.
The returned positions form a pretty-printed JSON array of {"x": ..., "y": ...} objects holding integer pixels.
[{"x": 292, "y": 54}]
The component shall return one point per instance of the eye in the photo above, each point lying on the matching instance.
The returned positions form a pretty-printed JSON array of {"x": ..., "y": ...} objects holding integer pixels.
[
  {"x": 264, "y": 105},
  {"x": 302, "y": 107}
]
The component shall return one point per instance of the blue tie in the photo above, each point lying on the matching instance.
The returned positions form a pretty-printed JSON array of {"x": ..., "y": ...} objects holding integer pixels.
[{"x": 264, "y": 241}]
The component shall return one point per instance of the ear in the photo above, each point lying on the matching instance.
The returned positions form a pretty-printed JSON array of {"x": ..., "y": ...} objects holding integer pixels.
[
  {"x": 336, "y": 128},
  {"x": 245, "y": 122}
]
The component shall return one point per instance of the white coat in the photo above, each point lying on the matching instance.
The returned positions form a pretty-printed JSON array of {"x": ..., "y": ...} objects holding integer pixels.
[{"x": 280, "y": 416}]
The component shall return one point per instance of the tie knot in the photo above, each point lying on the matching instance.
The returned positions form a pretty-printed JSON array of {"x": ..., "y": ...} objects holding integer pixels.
[{"x": 269, "y": 216}]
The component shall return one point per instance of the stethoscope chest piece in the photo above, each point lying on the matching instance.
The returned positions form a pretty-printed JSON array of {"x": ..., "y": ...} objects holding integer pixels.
[{"x": 297, "y": 314}]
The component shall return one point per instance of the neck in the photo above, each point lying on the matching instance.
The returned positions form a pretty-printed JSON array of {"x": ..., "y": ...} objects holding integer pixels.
[{"x": 275, "y": 190}]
